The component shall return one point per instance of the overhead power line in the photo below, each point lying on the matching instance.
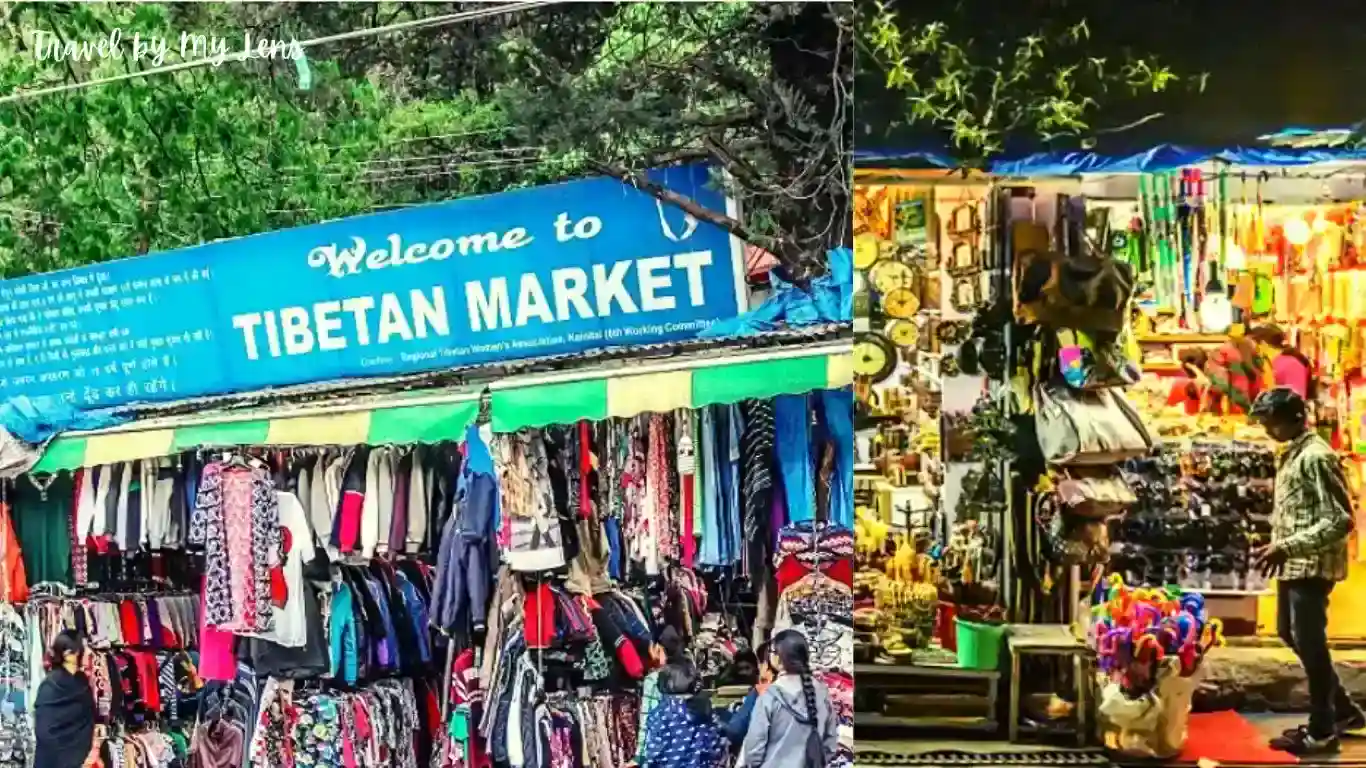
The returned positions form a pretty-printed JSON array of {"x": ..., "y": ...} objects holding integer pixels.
[{"x": 243, "y": 55}]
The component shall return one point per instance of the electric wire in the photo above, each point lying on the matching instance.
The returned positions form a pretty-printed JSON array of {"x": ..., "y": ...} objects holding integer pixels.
[{"x": 243, "y": 55}]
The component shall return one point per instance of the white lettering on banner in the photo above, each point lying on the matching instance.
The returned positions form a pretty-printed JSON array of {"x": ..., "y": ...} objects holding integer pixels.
[
  {"x": 300, "y": 330},
  {"x": 628, "y": 287},
  {"x": 490, "y": 302},
  {"x": 341, "y": 262}
]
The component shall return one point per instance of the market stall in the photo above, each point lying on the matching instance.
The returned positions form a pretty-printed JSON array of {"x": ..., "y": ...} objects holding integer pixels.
[
  {"x": 627, "y": 522},
  {"x": 930, "y": 359},
  {"x": 300, "y": 530},
  {"x": 1144, "y": 288}
]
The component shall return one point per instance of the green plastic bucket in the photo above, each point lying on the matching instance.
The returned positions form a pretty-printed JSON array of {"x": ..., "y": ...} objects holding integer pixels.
[{"x": 979, "y": 645}]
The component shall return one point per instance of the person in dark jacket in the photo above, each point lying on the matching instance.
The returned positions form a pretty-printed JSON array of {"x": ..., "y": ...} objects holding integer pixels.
[
  {"x": 64, "y": 710},
  {"x": 738, "y": 723}
]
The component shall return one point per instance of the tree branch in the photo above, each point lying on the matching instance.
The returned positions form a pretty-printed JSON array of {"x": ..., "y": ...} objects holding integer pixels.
[{"x": 686, "y": 204}]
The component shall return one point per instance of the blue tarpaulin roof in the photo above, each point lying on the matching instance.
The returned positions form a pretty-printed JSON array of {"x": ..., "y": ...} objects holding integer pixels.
[{"x": 1166, "y": 157}]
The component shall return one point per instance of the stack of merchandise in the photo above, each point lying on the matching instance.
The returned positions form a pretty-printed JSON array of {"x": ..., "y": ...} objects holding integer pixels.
[{"x": 1150, "y": 644}]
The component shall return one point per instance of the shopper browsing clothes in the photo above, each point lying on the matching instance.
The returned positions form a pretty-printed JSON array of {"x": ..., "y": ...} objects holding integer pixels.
[
  {"x": 666, "y": 649},
  {"x": 64, "y": 710},
  {"x": 1311, "y": 520},
  {"x": 681, "y": 731},
  {"x": 737, "y": 725},
  {"x": 793, "y": 724}
]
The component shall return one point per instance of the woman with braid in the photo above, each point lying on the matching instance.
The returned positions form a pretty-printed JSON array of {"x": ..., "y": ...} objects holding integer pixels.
[{"x": 793, "y": 725}]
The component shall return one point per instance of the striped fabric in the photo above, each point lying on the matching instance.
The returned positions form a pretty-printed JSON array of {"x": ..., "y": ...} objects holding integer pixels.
[
  {"x": 757, "y": 465},
  {"x": 515, "y": 406}
]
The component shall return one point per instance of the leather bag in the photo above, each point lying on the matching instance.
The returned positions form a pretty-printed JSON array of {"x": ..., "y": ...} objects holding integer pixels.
[{"x": 1088, "y": 428}]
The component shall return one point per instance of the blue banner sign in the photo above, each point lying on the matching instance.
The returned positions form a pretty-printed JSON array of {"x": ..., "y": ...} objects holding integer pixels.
[{"x": 544, "y": 271}]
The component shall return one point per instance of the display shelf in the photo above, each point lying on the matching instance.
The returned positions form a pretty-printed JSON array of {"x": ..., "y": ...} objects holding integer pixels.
[
  {"x": 874, "y": 720},
  {"x": 923, "y": 670}
]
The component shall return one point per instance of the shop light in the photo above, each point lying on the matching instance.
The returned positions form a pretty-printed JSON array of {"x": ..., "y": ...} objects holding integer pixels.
[{"x": 1297, "y": 232}]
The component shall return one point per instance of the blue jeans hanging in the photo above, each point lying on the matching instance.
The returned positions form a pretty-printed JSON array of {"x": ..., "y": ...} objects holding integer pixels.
[
  {"x": 838, "y": 412},
  {"x": 791, "y": 433}
]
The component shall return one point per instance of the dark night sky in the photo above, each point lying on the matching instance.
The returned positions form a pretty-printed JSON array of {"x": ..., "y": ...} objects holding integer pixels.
[{"x": 1272, "y": 64}]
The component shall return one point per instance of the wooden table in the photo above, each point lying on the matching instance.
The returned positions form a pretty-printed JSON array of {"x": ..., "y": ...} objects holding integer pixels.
[
  {"x": 935, "y": 691},
  {"x": 1049, "y": 640}
]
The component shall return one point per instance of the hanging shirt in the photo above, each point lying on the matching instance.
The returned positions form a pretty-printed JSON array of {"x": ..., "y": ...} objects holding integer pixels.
[
  {"x": 42, "y": 523},
  {"x": 291, "y": 627},
  {"x": 793, "y": 441},
  {"x": 709, "y": 519},
  {"x": 13, "y": 580}
]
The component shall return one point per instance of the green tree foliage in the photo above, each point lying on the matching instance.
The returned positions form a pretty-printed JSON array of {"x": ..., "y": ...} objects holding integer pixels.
[
  {"x": 978, "y": 74},
  {"x": 507, "y": 100}
]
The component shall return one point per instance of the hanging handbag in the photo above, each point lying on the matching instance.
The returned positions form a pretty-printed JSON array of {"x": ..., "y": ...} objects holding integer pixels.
[
  {"x": 1090, "y": 291},
  {"x": 1088, "y": 428},
  {"x": 1095, "y": 361},
  {"x": 1095, "y": 498},
  {"x": 1068, "y": 540}
]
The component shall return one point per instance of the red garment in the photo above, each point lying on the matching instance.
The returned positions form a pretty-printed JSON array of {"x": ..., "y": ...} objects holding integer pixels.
[
  {"x": 1234, "y": 375},
  {"x": 792, "y": 569},
  {"x": 1186, "y": 393},
  {"x": 79, "y": 565},
  {"x": 149, "y": 678},
  {"x": 465, "y": 692},
  {"x": 689, "y": 543},
  {"x": 630, "y": 660},
  {"x": 129, "y": 624},
  {"x": 352, "y": 504},
  {"x": 13, "y": 577},
  {"x": 585, "y": 469},
  {"x": 539, "y": 616}
]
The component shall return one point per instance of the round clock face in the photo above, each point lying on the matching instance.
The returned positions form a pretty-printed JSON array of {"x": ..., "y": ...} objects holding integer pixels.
[
  {"x": 888, "y": 276},
  {"x": 903, "y": 333},
  {"x": 901, "y": 303},
  {"x": 874, "y": 357},
  {"x": 865, "y": 251}
]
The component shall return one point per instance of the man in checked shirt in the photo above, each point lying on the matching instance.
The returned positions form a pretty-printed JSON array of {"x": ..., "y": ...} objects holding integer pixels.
[{"x": 1310, "y": 523}]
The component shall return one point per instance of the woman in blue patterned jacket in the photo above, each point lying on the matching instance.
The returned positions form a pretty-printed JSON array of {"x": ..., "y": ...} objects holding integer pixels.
[{"x": 681, "y": 731}]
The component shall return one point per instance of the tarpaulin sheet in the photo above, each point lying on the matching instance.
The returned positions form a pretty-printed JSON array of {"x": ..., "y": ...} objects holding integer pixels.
[
  {"x": 866, "y": 157},
  {"x": 829, "y": 300},
  {"x": 1166, "y": 157}
]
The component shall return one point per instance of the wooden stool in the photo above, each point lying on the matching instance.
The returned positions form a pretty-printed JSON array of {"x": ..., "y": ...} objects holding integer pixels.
[{"x": 1049, "y": 640}]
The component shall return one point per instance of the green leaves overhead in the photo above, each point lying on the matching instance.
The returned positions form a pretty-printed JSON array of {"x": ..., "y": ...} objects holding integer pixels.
[
  {"x": 170, "y": 160},
  {"x": 978, "y": 83}
]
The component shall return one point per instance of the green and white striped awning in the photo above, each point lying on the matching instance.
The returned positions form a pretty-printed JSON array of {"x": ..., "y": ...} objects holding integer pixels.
[{"x": 437, "y": 415}]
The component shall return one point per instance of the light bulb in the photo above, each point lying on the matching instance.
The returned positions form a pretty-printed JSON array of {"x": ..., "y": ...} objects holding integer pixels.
[{"x": 1297, "y": 232}]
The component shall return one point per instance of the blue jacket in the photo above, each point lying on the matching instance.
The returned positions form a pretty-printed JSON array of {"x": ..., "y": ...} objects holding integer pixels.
[
  {"x": 738, "y": 725},
  {"x": 343, "y": 637},
  {"x": 674, "y": 738},
  {"x": 468, "y": 554}
]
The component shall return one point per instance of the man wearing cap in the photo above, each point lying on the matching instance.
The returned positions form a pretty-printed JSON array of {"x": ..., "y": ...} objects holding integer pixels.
[{"x": 1311, "y": 520}]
